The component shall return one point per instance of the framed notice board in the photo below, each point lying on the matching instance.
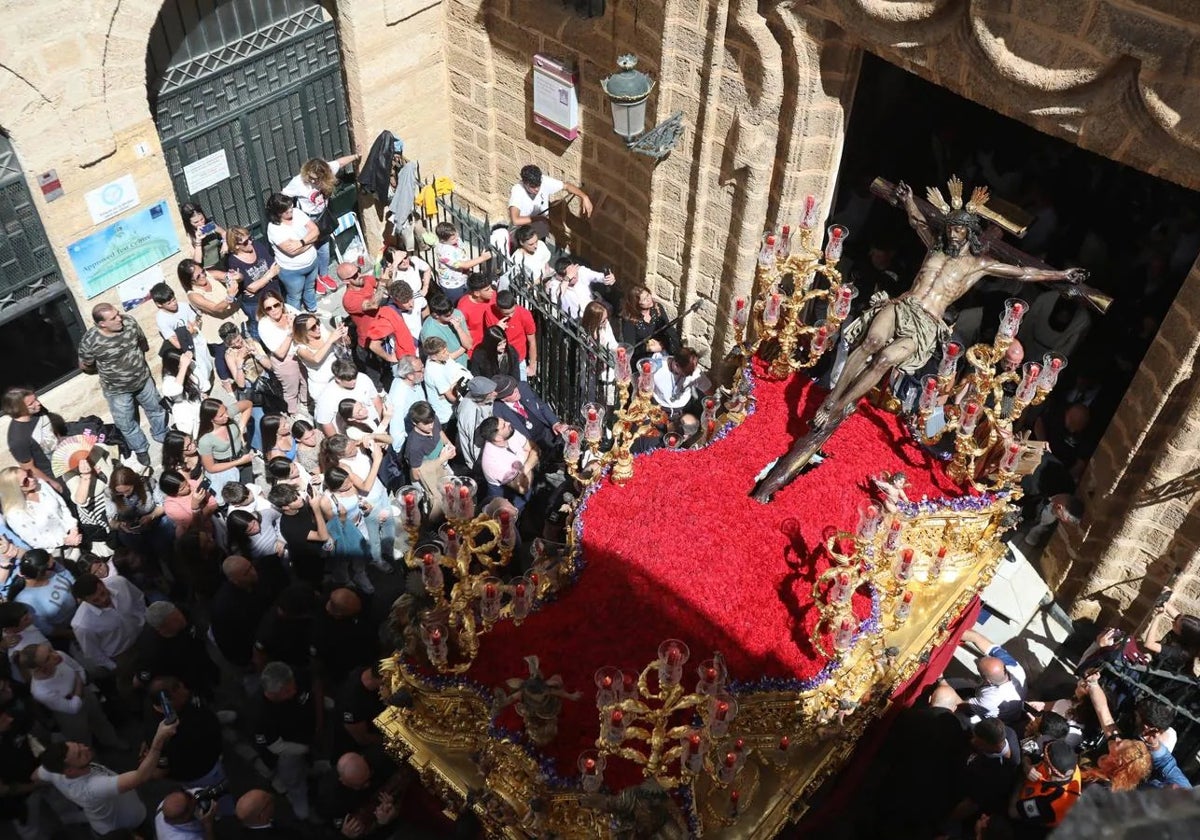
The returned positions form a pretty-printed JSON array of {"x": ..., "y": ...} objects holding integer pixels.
[{"x": 556, "y": 96}]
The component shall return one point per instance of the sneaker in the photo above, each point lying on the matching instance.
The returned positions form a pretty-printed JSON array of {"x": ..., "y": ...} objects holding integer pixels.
[{"x": 326, "y": 284}]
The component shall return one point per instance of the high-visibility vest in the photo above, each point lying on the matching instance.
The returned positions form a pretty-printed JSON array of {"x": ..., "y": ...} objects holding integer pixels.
[{"x": 1059, "y": 796}]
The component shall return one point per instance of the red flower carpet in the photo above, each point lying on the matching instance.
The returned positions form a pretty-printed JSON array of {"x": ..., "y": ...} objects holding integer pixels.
[{"x": 681, "y": 551}]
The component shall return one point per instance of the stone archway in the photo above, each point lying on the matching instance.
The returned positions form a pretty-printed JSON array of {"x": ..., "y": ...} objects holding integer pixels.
[{"x": 1106, "y": 75}]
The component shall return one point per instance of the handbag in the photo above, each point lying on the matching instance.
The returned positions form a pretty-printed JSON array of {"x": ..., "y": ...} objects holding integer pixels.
[
  {"x": 266, "y": 393},
  {"x": 326, "y": 223}
]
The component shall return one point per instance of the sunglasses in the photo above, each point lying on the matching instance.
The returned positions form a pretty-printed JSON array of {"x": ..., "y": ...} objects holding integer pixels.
[{"x": 271, "y": 307}]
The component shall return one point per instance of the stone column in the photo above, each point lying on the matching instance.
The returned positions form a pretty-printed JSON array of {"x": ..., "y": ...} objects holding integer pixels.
[{"x": 1142, "y": 488}]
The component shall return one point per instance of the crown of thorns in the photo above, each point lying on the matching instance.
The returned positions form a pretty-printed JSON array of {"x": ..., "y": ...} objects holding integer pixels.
[{"x": 979, "y": 197}]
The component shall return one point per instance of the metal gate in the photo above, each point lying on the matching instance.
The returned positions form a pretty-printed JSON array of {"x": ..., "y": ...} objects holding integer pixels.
[
  {"x": 257, "y": 80},
  {"x": 39, "y": 324}
]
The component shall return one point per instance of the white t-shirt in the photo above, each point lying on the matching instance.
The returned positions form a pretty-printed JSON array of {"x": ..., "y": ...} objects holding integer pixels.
[
  {"x": 168, "y": 322},
  {"x": 286, "y": 231},
  {"x": 535, "y": 205},
  {"x": 273, "y": 334},
  {"x": 96, "y": 793},
  {"x": 360, "y": 466},
  {"x": 363, "y": 391},
  {"x": 52, "y": 692},
  {"x": 439, "y": 377},
  {"x": 532, "y": 264},
  {"x": 574, "y": 298},
  {"x": 309, "y": 200},
  {"x": 412, "y": 276},
  {"x": 447, "y": 257},
  {"x": 320, "y": 375},
  {"x": 671, "y": 391}
]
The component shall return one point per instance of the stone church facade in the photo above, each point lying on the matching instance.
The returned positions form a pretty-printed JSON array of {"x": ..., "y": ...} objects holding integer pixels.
[{"x": 765, "y": 90}]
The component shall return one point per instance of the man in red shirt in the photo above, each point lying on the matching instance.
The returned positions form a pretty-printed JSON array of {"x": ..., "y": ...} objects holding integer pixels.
[
  {"x": 476, "y": 304},
  {"x": 518, "y": 325},
  {"x": 361, "y": 301},
  {"x": 388, "y": 337}
]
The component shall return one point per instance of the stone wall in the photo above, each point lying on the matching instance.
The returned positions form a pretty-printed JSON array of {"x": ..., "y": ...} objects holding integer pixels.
[{"x": 490, "y": 49}]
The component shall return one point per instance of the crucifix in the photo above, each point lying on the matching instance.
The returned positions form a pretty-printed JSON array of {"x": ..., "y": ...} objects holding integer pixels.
[{"x": 902, "y": 333}]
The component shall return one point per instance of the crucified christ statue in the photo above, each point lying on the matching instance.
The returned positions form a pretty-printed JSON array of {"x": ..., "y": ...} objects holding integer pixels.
[{"x": 904, "y": 332}]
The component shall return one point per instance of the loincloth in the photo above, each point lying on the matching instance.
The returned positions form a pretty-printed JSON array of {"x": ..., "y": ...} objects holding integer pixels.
[{"x": 912, "y": 322}]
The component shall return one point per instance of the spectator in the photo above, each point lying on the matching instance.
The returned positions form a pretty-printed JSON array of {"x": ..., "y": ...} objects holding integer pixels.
[
  {"x": 473, "y": 409},
  {"x": 172, "y": 646},
  {"x": 347, "y": 383},
  {"x": 284, "y": 724},
  {"x": 107, "y": 625},
  {"x": 114, "y": 349},
  {"x": 645, "y": 326},
  {"x": 1003, "y": 691},
  {"x": 1126, "y": 765},
  {"x": 443, "y": 379},
  {"x": 596, "y": 326},
  {"x": 47, "y": 593},
  {"x": 308, "y": 446},
  {"x": 36, "y": 514},
  {"x": 375, "y": 504},
  {"x": 255, "y": 534},
  {"x": 519, "y": 328},
  {"x": 527, "y": 412},
  {"x": 454, "y": 262},
  {"x": 399, "y": 265},
  {"x": 532, "y": 258},
  {"x": 312, "y": 189},
  {"x": 214, "y": 296},
  {"x": 252, "y": 265},
  {"x": 32, "y": 434},
  {"x": 181, "y": 389},
  {"x": 237, "y": 609},
  {"x": 256, "y": 814},
  {"x": 679, "y": 385},
  {"x": 407, "y": 388},
  {"x": 303, "y": 528},
  {"x": 207, "y": 239},
  {"x": 109, "y": 800},
  {"x": 275, "y": 323},
  {"x": 247, "y": 362},
  {"x": 317, "y": 351},
  {"x": 1046, "y": 796},
  {"x": 178, "y": 324},
  {"x": 60, "y": 684},
  {"x": 343, "y": 637},
  {"x": 179, "y": 817},
  {"x": 357, "y": 799},
  {"x": 11, "y": 552},
  {"x": 294, "y": 237},
  {"x": 428, "y": 451},
  {"x": 389, "y": 333},
  {"x": 529, "y": 199},
  {"x": 495, "y": 355},
  {"x": 22, "y": 799},
  {"x": 193, "y": 757},
  {"x": 342, "y": 510},
  {"x": 990, "y": 772},
  {"x": 448, "y": 323},
  {"x": 507, "y": 461},
  {"x": 361, "y": 300},
  {"x": 285, "y": 632},
  {"x": 357, "y": 705},
  {"x": 1154, "y": 719},
  {"x": 574, "y": 284},
  {"x": 221, "y": 446},
  {"x": 19, "y": 632},
  {"x": 87, "y": 488},
  {"x": 188, "y": 503},
  {"x": 476, "y": 306}
]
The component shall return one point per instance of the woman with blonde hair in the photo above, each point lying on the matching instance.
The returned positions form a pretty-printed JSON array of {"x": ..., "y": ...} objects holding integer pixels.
[
  {"x": 312, "y": 189},
  {"x": 317, "y": 350},
  {"x": 35, "y": 513}
]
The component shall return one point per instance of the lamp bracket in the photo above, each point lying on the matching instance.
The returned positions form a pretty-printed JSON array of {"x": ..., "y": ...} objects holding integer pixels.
[{"x": 660, "y": 140}]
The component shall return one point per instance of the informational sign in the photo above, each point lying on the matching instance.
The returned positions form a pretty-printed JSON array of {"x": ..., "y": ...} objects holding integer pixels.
[
  {"x": 121, "y": 250},
  {"x": 136, "y": 289},
  {"x": 112, "y": 199},
  {"x": 555, "y": 96},
  {"x": 210, "y": 169}
]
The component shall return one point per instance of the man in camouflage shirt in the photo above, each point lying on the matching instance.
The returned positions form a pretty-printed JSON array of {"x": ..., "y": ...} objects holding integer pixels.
[{"x": 115, "y": 349}]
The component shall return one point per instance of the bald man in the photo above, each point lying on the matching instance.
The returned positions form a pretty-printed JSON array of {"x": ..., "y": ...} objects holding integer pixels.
[
  {"x": 1002, "y": 693},
  {"x": 179, "y": 818},
  {"x": 343, "y": 637},
  {"x": 358, "y": 797},
  {"x": 256, "y": 813},
  {"x": 115, "y": 351}
]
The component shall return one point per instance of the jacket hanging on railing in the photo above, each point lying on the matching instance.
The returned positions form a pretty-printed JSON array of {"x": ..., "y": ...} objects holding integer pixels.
[
  {"x": 375, "y": 174},
  {"x": 405, "y": 197}
]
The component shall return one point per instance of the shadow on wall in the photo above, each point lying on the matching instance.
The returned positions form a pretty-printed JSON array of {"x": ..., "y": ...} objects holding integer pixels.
[{"x": 617, "y": 181}]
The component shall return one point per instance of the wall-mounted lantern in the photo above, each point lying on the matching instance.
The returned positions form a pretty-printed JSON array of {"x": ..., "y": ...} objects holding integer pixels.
[{"x": 627, "y": 92}]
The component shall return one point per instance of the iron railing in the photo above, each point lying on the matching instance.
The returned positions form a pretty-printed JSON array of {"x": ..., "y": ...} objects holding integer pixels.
[{"x": 572, "y": 368}]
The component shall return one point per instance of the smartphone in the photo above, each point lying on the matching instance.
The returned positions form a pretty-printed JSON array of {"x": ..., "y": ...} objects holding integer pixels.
[
  {"x": 211, "y": 227},
  {"x": 168, "y": 710}
]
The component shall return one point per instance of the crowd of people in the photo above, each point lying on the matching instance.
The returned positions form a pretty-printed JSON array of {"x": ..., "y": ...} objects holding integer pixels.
[
  {"x": 983, "y": 759},
  {"x": 218, "y": 586}
]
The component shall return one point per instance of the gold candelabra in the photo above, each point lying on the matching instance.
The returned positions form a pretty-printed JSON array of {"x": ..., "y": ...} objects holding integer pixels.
[
  {"x": 473, "y": 548},
  {"x": 780, "y": 316},
  {"x": 981, "y": 407}
]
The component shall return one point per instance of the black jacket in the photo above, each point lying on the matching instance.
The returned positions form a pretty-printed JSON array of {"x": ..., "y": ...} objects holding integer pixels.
[{"x": 375, "y": 173}]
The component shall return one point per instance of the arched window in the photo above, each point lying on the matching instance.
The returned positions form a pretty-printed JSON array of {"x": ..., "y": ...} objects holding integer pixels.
[{"x": 39, "y": 323}]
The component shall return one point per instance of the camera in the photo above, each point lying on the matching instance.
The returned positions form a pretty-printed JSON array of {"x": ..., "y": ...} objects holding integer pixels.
[{"x": 206, "y": 797}]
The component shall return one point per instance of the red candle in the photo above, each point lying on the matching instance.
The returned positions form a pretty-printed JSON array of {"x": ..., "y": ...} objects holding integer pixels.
[
  {"x": 931, "y": 387},
  {"x": 722, "y": 710},
  {"x": 843, "y": 579},
  {"x": 436, "y": 635},
  {"x": 712, "y": 427},
  {"x": 1055, "y": 364},
  {"x": 710, "y": 403},
  {"x": 734, "y": 796},
  {"x": 428, "y": 558},
  {"x": 617, "y": 717},
  {"x": 520, "y": 590},
  {"x": 822, "y": 334},
  {"x": 505, "y": 517},
  {"x": 621, "y": 353},
  {"x": 740, "y": 303},
  {"x": 589, "y": 765},
  {"x": 463, "y": 492},
  {"x": 646, "y": 368},
  {"x": 591, "y": 416},
  {"x": 1018, "y": 308},
  {"x": 694, "y": 741},
  {"x": 410, "y": 502},
  {"x": 710, "y": 674},
  {"x": 908, "y": 596},
  {"x": 573, "y": 437},
  {"x": 533, "y": 578},
  {"x": 739, "y": 745},
  {"x": 942, "y": 553},
  {"x": 784, "y": 742},
  {"x": 673, "y": 655},
  {"x": 627, "y": 681},
  {"x": 490, "y": 590},
  {"x": 451, "y": 534},
  {"x": 730, "y": 759},
  {"x": 952, "y": 350},
  {"x": 810, "y": 204},
  {"x": 606, "y": 682}
]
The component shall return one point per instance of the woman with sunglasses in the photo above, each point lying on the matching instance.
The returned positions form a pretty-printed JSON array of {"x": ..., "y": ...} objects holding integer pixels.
[
  {"x": 276, "y": 326},
  {"x": 316, "y": 348},
  {"x": 252, "y": 264},
  {"x": 35, "y": 513}
]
